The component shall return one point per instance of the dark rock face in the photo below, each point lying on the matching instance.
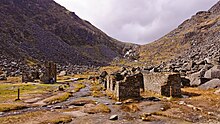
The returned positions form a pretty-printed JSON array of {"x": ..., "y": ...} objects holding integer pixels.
[{"x": 44, "y": 30}]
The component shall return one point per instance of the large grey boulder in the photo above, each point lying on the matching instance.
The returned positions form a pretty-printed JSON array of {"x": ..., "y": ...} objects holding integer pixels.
[
  {"x": 217, "y": 91},
  {"x": 62, "y": 73},
  {"x": 214, "y": 72},
  {"x": 195, "y": 78},
  {"x": 212, "y": 84}
]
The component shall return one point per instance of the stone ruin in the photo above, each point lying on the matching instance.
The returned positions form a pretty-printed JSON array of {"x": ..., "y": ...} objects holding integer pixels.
[
  {"x": 124, "y": 85},
  {"x": 47, "y": 74},
  {"x": 166, "y": 83},
  {"x": 50, "y": 73},
  {"x": 129, "y": 84}
]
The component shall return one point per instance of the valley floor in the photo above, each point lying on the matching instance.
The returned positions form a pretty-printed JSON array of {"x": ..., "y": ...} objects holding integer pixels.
[{"x": 85, "y": 102}]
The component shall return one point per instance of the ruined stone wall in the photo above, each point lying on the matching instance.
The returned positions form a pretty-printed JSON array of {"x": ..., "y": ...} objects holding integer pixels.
[
  {"x": 128, "y": 88},
  {"x": 165, "y": 84}
]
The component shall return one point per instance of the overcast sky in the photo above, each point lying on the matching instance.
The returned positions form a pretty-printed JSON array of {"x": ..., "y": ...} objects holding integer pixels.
[{"x": 137, "y": 21}]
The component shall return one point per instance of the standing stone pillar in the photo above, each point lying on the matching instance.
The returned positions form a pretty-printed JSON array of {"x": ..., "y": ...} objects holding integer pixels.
[{"x": 50, "y": 74}]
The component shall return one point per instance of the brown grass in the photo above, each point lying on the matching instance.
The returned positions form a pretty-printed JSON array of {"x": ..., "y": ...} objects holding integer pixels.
[
  {"x": 100, "y": 108},
  {"x": 58, "y": 98},
  {"x": 78, "y": 86},
  {"x": 8, "y": 92},
  {"x": 130, "y": 108},
  {"x": 83, "y": 101},
  {"x": 4, "y": 107},
  {"x": 39, "y": 117}
]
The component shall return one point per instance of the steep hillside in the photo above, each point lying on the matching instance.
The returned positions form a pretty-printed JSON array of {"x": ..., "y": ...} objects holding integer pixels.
[
  {"x": 195, "y": 39},
  {"x": 44, "y": 30}
]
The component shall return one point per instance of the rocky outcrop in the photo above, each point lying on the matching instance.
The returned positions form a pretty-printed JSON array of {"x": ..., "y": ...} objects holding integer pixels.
[
  {"x": 192, "y": 49},
  {"x": 196, "y": 39},
  {"x": 44, "y": 30}
]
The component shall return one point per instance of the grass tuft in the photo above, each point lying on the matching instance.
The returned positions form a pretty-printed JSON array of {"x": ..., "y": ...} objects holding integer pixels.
[
  {"x": 100, "y": 108},
  {"x": 78, "y": 86},
  {"x": 4, "y": 107},
  {"x": 58, "y": 98}
]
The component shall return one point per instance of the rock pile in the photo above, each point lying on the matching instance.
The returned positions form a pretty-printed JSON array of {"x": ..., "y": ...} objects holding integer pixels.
[{"x": 193, "y": 72}]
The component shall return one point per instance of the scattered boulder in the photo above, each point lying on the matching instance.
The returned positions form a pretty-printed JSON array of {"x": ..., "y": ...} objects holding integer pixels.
[
  {"x": 207, "y": 61},
  {"x": 185, "y": 82},
  {"x": 196, "y": 78},
  {"x": 118, "y": 103},
  {"x": 214, "y": 72},
  {"x": 217, "y": 91},
  {"x": 3, "y": 77},
  {"x": 212, "y": 84},
  {"x": 57, "y": 107},
  {"x": 154, "y": 70},
  {"x": 114, "y": 117},
  {"x": 62, "y": 73}
]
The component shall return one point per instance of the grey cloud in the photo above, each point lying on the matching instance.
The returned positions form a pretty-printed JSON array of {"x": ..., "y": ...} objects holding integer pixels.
[{"x": 137, "y": 21}]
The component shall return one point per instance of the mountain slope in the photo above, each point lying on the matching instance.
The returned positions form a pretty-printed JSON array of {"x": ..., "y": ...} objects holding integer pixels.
[
  {"x": 44, "y": 30},
  {"x": 195, "y": 39}
]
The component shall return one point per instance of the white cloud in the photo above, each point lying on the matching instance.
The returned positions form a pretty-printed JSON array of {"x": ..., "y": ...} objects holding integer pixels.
[{"x": 138, "y": 21}]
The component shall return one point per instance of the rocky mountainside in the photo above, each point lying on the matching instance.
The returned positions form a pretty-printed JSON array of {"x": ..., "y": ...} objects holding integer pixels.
[
  {"x": 194, "y": 40},
  {"x": 44, "y": 30}
]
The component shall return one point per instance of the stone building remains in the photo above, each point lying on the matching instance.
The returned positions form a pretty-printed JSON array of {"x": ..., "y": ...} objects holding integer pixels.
[
  {"x": 124, "y": 85},
  {"x": 164, "y": 83},
  {"x": 129, "y": 84}
]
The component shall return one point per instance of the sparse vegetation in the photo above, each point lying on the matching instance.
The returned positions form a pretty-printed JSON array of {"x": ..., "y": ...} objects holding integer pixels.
[
  {"x": 97, "y": 89},
  {"x": 130, "y": 108},
  {"x": 82, "y": 101},
  {"x": 58, "y": 98},
  {"x": 8, "y": 91},
  {"x": 40, "y": 117},
  {"x": 4, "y": 107},
  {"x": 78, "y": 86},
  {"x": 100, "y": 108}
]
